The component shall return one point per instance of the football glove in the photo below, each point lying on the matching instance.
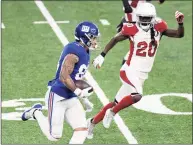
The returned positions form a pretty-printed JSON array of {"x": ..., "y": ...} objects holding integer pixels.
[
  {"x": 98, "y": 61},
  {"x": 84, "y": 93},
  {"x": 179, "y": 17},
  {"x": 88, "y": 105},
  {"x": 161, "y": 1}
]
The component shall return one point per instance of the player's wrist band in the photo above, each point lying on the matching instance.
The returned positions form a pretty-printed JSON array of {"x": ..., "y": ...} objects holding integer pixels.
[
  {"x": 103, "y": 54},
  {"x": 180, "y": 24}
]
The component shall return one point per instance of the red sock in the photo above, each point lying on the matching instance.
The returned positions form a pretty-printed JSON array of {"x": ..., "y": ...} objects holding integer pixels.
[
  {"x": 101, "y": 114},
  {"x": 125, "y": 102}
]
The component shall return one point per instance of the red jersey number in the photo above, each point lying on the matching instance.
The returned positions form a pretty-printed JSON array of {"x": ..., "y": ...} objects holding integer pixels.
[{"x": 142, "y": 49}]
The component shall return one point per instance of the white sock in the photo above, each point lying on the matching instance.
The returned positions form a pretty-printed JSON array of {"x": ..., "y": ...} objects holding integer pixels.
[
  {"x": 78, "y": 137},
  {"x": 44, "y": 125}
]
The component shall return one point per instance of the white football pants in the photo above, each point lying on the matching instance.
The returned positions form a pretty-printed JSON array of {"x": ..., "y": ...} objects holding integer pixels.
[
  {"x": 132, "y": 82},
  {"x": 60, "y": 109}
]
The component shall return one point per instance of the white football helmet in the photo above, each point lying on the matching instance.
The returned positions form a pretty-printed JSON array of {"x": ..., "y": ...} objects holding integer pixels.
[{"x": 145, "y": 15}]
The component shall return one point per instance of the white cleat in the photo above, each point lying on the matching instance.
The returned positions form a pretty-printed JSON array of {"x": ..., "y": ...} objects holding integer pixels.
[
  {"x": 90, "y": 126},
  {"x": 108, "y": 118},
  {"x": 29, "y": 113}
]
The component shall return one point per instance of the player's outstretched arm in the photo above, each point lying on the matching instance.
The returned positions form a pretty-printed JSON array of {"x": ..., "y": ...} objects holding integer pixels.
[
  {"x": 117, "y": 38},
  {"x": 66, "y": 69},
  {"x": 98, "y": 61},
  {"x": 179, "y": 33}
]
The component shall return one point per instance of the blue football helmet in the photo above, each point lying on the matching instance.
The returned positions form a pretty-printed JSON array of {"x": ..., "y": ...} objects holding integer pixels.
[{"x": 87, "y": 33}]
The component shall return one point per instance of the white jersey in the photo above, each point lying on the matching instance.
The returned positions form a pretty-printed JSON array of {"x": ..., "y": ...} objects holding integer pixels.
[{"x": 142, "y": 52}]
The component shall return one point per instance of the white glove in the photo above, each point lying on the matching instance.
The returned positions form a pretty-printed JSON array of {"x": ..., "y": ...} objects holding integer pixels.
[
  {"x": 84, "y": 93},
  {"x": 98, "y": 61},
  {"x": 88, "y": 104}
]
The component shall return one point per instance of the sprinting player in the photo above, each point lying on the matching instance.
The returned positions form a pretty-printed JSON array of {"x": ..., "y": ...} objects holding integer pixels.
[
  {"x": 62, "y": 97},
  {"x": 144, "y": 37},
  {"x": 129, "y": 7}
]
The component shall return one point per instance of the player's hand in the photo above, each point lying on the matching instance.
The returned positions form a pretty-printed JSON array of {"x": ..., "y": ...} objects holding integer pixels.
[
  {"x": 179, "y": 17},
  {"x": 161, "y": 1},
  {"x": 84, "y": 93},
  {"x": 88, "y": 104},
  {"x": 98, "y": 61}
]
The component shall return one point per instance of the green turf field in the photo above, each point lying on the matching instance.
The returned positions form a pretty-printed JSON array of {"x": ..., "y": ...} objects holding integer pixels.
[{"x": 30, "y": 53}]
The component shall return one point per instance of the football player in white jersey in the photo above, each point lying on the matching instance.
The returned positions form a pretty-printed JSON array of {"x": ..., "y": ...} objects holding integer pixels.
[
  {"x": 144, "y": 37},
  {"x": 129, "y": 7}
]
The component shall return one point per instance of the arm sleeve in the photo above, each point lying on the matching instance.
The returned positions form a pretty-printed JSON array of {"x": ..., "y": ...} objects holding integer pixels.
[
  {"x": 126, "y": 6},
  {"x": 73, "y": 50}
]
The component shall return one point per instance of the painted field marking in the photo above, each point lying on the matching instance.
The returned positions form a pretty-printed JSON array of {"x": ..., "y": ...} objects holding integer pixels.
[
  {"x": 104, "y": 22},
  {"x": 118, "y": 120},
  {"x": 158, "y": 107},
  {"x": 46, "y": 22},
  {"x": 2, "y": 26}
]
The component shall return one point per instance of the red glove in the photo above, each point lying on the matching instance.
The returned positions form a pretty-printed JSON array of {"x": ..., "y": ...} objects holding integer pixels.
[{"x": 179, "y": 17}]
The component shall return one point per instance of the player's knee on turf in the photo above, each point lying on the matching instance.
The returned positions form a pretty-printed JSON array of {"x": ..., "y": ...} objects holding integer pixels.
[{"x": 136, "y": 97}]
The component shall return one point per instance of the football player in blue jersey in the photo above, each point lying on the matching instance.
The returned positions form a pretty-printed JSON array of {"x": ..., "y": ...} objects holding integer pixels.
[{"x": 62, "y": 97}]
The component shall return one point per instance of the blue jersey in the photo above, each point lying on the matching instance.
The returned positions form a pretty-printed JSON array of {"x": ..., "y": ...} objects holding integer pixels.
[{"x": 78, "y": 73}]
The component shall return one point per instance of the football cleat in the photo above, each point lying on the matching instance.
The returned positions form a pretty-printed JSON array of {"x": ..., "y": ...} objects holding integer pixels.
[
  {"x": 90, "y": 126},
  {"x": 108, "y": 118},
  {"x": 29, "y": 113}
]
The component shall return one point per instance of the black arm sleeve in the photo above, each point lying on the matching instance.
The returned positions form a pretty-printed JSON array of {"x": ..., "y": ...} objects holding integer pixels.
[{"x": 126, "y": 6}]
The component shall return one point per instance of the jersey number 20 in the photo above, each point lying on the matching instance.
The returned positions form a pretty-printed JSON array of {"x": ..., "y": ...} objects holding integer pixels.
[{"x": 142, "y": 49}]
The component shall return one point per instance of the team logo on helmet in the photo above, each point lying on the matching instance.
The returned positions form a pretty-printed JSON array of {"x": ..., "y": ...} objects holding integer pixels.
[
  {"x": 85, "y": 28},
  {"x": 93, "y": 30}
]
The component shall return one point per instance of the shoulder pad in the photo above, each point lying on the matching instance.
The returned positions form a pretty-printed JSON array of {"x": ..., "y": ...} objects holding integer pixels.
[
  {"x": 129, "y": 29},
  {"x": 160, "y": 25}
]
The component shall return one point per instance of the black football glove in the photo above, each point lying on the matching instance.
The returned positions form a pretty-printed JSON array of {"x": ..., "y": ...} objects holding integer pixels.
[{"x": 161, "y": 1}]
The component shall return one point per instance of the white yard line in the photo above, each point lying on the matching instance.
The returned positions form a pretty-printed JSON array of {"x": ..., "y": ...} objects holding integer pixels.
[
  {"x": 104, "y": 22},
  {"x": 46, "y": 22},
  {"x": 118, "y": 120},
  {"x": 2, "y": 26}
]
